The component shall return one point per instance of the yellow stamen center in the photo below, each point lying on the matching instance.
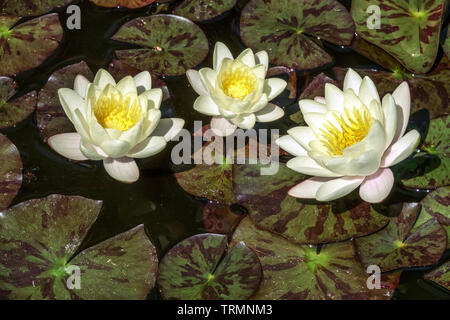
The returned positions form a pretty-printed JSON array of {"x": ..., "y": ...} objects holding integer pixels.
[
  {"x": 354, "y": 126},
  {"x": 115, "y": 111},
  {"x": 238, "y": 81}
]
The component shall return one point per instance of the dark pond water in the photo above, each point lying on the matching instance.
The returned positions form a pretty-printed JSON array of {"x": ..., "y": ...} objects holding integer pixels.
[{"x": 169, "y": 214}]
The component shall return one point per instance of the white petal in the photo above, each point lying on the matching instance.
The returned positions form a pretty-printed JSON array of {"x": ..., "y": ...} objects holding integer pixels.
[
  {"x": 308, "y": 106},
  {"x": 320, "y": 100},
  {"x": 115, "y": 148},
  {"x": 315, "y": 120},
  {"x": 149, "y": 147},
  {"x": 262, "y": 57},
  {"x": 245, "y": 121},
  {"x": 208, "y": 77},
  {"x": 205, "y": 105},
  {"x": 104, "y": 78},
  {"x": 401, "y": 149},
  {"x": 143, "y": 81},
  {"x": 247, "y": 57},
  {"x": 67, "y": 145},
  {"x": 273, "y": 87},
  {"x": 126, "y": 86},
  {"x": 221, "y": 52},
  {"x": 390, "y": 116},
  {"x": 222, "y": 127},
  {"x": 375, "y": 140},
  {"x": 261, "y": 104},
  {"x": 288, "y": 144},
  {"x": 270, "y": 113},
  {"x": 132, "y": 135},
  {"x": 351, "y": 100},
  {"x": 123, "y": 169},
  {"x": 364, "y": 164},
  {"x": 338, "y": 188},
  {"x": 376, "y": 111},
  {"x": 308, "y": 188},
  {"x": 352, "y": 81},
  {"x": 152, "y": 121},
  {"x": 98, "y": 133},
  {"x": 402, "y": 97},
  {"x": 196, "y": 82},
  {"x": 303, "y": 135},
  {"x": 169, "y": 128},
  {"x": 92, "y": 152},
  {"x": 154, "y": 97},
  {"x": 377, "y": 186},
  {"x": 70, "y": 101},
  {"x": 81, "y": 85},
  {"x": 368, "y": 91},
  {"x": 334, "y": 98},
  {"x": 308, "y": 166}
]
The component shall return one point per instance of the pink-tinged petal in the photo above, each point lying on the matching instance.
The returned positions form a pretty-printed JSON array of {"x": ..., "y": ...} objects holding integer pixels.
[
  {"x": 222, "y": 127},
  {"x": 67, "y": 145},
  {"x": 401, "y": 149},
  {"x": 320, "y": 100},
  {"x": 377, "y": 186},
  {"x": 402, "y": 97},
  {"x": 122, "y": 169},
  {"x": 308, "y": 188},
  {"x": 338, "y": 188}
]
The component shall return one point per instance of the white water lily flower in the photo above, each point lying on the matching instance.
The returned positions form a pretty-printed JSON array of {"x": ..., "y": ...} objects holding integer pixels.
[
  {"x": 236, "y": 92},
  {"x": 114, "y": 123},
  {"x": 351, "y": 140}
]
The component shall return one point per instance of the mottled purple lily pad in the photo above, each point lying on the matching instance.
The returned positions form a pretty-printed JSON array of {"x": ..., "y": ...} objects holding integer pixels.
[
  {"x": 10, "y": 172},
  {"x": 289, "y": 30},
  {"x": 305, "y": 272},
  {"x": 17, "y": 110},
  {"x": 131, "y": 4},
  {"x": 27, "y": 45},
  {"x": 37, "y": 243},
  {"x": 408, "y": 31},
  {"x": 201, "y": 10},
  {"x": 440, "y": 275},
  {"x": 194, "y": 269},
  {"x": 446, "y": 45},
  {"x": 51, "y": 118},
  {"x": 436, "y": 205},
  {"x": 170, "y": 45},
  {"x": 397, "y": 246},
  {"x": 271, "y": 208},
  {"x": 25, "y": 8},
  {"x": 433, "y": 174},
  {"x": 218, "y": 218}
]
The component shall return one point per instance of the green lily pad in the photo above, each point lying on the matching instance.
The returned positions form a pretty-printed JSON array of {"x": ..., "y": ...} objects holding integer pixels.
[
  {"x": 39, "y": 239},
  {"x": 170, "y": 45},
  {"x": 201, "y": 10},
  {"x": 131, "y": 4},
  {"x": 446, "y": 45},
  {"x": 397, "y": 246},
  {"x": 292, "y": 271},
  {"x": 436, "y": 205},
  {"x": 316, "y": 88},
  {"x": 10, "y": 172},
  {"x": 30, "y": 7},
  {"x": 17, "y": 110},
  {"x": 271, "y": 208},
  {"x": 437, "y": 145},
  {"x": 27, "y": 45},
  {"x": 408, "y": 31},
  {"x": 50, "y": 116},
  {"x": 212, "y": 182},
  {"x": 440, "y": 275},
  {"x": 194, "y": 270},
  {"x": 289, "y": 30},
  {"x": 218, "y": 218}
]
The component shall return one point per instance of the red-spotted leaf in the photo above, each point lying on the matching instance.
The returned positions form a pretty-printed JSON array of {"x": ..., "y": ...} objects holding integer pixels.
[
  {"x": 289, "y": 30},
  {"x": 14, "y": 111},
  {"x": 218, "y": 218},
  {"x": 194, "y": 269},
  {"x": 436, "y": 205},
  {"x": 440, "y": 275},
  {"x": 201, "y": 10},
  {"x": 51, "y": 118},
  {"x": 10, "y": 172},
  {"x": 408, "y": 30},
  {"x": 170, "y": 45},
  {"x": 27, "y": 45},
  {"x": 303, "y": 272},
  {"x": 39, "y": 238},
  {"x": 30, "y": 7},
  {"x": 397, "y": 246},
  {"x": 132, "y": 4},
  {"x": 271, "y": 208}
]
